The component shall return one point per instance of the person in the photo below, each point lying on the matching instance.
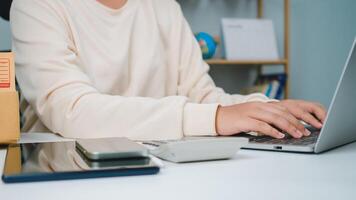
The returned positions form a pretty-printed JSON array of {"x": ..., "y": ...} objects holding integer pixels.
[{"x": 119, "y": 68}]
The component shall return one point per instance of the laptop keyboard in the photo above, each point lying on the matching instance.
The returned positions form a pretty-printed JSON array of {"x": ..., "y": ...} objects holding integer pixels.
[{"x": 288, "y": 140}]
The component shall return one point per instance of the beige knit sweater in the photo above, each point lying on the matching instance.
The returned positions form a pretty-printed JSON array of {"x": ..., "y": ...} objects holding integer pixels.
[{"x": 91, "y": 71}]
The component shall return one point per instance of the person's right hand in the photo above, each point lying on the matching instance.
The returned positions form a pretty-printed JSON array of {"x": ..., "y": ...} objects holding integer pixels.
[{"x": 264, "y": 118}]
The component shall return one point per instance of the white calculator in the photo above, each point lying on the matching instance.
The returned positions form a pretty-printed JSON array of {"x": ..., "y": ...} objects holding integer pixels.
[{"x": 190, "y": 149}]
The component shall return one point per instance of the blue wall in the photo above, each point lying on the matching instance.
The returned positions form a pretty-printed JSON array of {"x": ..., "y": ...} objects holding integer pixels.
[
  {"x": 321, "y": 35},
  {"x": 5, "y": 42}
]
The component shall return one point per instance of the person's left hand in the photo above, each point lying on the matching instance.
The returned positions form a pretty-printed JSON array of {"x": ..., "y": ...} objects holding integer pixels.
[{"x": 309, "y": 112}]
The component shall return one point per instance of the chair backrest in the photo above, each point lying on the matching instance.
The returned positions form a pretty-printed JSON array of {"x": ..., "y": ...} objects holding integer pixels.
[{"x": 5, "y": 9}]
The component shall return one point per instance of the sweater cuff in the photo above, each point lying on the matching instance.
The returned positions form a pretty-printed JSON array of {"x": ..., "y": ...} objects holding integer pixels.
[
  {"x": 199, "y": 119},
  {"x": 259, "y": 97}
]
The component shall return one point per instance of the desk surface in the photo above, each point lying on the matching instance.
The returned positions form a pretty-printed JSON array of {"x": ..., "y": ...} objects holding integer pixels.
[{"x": 249, "y": 175}]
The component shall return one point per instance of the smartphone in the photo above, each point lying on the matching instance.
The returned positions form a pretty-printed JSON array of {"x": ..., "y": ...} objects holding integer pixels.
[{"x": 111, "y": 148}]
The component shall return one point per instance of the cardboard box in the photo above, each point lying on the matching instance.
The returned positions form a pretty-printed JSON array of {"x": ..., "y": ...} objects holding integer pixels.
[
  {"x": 9, "y": 101},
  {"x": 9, "y": 117}
]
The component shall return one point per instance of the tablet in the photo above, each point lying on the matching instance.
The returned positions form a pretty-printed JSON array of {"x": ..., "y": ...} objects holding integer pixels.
[{"x": 61, "y": 160}]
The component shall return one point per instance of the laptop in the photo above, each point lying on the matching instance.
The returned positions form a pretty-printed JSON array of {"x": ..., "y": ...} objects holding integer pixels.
[{"x": 339, "y": 127}]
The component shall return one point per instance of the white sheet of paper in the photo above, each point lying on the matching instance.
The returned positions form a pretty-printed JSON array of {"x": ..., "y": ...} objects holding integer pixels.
[{"x": 249, "y": 39}]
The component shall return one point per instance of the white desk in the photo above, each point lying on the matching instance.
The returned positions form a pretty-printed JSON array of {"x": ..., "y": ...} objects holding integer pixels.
[{"x": 250, "y": 175}]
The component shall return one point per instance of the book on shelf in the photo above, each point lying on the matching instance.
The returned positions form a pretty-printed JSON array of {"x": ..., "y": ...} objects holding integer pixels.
[{"x": 271, "y": 85}]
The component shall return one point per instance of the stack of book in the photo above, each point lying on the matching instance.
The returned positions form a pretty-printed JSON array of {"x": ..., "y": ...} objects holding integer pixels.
[{"x": 272, "y": 85}]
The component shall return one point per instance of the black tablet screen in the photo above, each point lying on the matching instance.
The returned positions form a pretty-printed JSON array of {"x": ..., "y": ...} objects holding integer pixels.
[{"x": 61, "y": 160}]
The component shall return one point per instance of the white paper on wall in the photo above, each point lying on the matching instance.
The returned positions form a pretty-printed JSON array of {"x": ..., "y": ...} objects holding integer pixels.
[{"x": 249, "y": 39}]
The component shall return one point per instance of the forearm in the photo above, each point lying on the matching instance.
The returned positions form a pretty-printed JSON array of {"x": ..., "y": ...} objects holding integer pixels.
[{"x": 76, "y": 111}]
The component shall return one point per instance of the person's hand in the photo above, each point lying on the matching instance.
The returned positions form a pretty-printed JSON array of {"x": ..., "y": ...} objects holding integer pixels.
[
  {"x": 309, "y": 112},
  {"x": 269, "y": 118}
]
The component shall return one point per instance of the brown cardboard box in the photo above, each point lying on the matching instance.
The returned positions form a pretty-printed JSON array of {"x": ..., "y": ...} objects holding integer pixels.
[
  {"x": 9, "y": 100},
  {"x": 9, "y": 117}
]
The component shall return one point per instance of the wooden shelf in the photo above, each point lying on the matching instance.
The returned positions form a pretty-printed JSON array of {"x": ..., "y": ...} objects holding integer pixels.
[{"x": 245, "y": 62}]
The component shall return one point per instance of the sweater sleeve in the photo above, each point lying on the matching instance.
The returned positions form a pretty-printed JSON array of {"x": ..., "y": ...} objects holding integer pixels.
[
  {"x": 65, "y": 99},
  {"x": 195, "y": 82}
]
